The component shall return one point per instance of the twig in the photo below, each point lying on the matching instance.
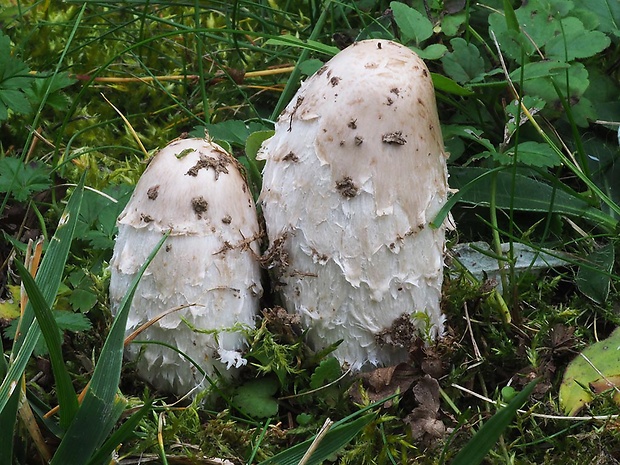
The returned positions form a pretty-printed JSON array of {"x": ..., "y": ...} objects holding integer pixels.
[
  {"x": 477, "y": 353},
  {"x": 179, "y": 77},
  {"x": 537, "y": 415},
  {"x": 600, "y": 373},
  {"x": 319, "y": 437},
  {"x": 129, "y": 126},
  {"x": 300, "y": 394}
]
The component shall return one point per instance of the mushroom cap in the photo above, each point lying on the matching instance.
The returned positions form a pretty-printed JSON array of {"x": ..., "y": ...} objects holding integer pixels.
[
  {"x": 354, "y": 174},
  {"x": 194, "y": 190},
  {"x": 179, "y": 192},
  {"x": 377, "y": 127}
]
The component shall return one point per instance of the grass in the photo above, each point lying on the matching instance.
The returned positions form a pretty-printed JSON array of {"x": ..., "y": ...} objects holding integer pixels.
[{"x": 530, "y": 115}]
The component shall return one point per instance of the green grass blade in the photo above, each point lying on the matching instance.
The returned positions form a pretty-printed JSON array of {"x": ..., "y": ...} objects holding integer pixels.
[
  {"x": 48, "y": 280},
  {"x": 512, "y": 23},
  {"x": 40, "y": 409},
  {"x": 293, "y": 81},
  {"x": 125, "y": 432},
  {"x": 67, "y": 397},
  {"x": 528, "y": 194},
  {"x": 102, "y": 392},
  {"x": 476, "y": 449},
  {"x": 8, "y": 417},
  {"x": 335, "y": 439}
]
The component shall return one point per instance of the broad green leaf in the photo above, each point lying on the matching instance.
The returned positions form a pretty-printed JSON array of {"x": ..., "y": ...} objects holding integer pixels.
[
  {"x": 574, "y": 87},
  {"x": 9, "y": 308},
  {"x": 48, "y": 88},
  {"x": 527, "y": 194},
  {"x": 22, "y": 180},
  {"x": 575, "y": 42},
  {"x": 538, "y": 69},
  {"x": 256, "y": 398},
  {"x": 101, "y": 400},
  {"x": 483, "y": 263},
  {"x": 335, "y": 439},
  {"x": 97, "y": 222},
  {"x": 594, "y": 276},
  {"x": 445, "y": 84},
  {"x": 14, "y": 80},
  {"x": 309, "y": 67},
  {"x": 254, "y": 142},
  {"x": 451, "y": 24},
  {"x": 15, "y": 100},
  {"x": 432, "y": 52},
  {"x": 67, "y": 397},
  {"x": 604, "y": 165},
  {"x": 588, "y": 18},
  {"x": 14, "y": 73},
  {"x": 48, "y": 279},
  {"x": 232, "y": 131},
  {"x": 413, "y": 25},
  {"x": 589, "y": 372},
  {"x": 530, "y": 154},
  {"x": 468, "y": 133},
  {"x": 479, "y": 446},
  {"x": 82, "y": 300},
  {"x": 514, "y": 44},
  {"x": 540, "y": 19},
  {"x": 607, "y": 12},
  {"x": 516, "y": 116},
  {"x": 464, "y": 63},
  {"x": 254, "y": 167},
  {"x": 327, "y": 371}
]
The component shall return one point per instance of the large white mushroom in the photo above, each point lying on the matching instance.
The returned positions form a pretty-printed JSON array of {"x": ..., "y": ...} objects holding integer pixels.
[
  {"x": 354, "y": 174},
  {"x": 194, "y": 190}
]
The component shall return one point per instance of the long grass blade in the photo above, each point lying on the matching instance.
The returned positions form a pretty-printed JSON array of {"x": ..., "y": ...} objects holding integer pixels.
[
  {"x": 123, "y": 433},
  {"x": 67, "y": 397},
  {"x": 8, "y": 417},
  {"x": 474, "y": 185},
  {"x": 101, "y": 396},
  {"x": 335, "y": 439},
  {"x": 476, "y": 449},
  {"x": 48, "y": 280}
]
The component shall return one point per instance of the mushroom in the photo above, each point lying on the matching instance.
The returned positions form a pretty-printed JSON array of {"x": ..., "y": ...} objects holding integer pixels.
[
  {"x": 193, "y": 190},
  {"x": 354, "y": 174}
]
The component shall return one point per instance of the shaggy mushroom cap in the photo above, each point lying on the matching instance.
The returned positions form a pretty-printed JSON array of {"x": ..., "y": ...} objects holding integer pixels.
[
  {"x": 355, "y": 172},
  {"x": 193, "y": 190}
]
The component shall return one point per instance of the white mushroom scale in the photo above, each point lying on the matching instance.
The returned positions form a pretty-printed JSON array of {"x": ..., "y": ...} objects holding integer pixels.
[
  {"x": 193, "y": 190},
  {"x": 354, "y": 174}
]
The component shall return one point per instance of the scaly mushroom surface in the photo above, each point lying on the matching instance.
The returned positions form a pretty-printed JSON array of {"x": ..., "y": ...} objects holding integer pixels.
[
  {"x": 195, "y": 191},
  {"x": 354, "y": 174}
]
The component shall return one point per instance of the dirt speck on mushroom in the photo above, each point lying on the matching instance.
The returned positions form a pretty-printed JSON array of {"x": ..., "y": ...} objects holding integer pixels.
[
  {"x": 219, "y": 164},
  {"x": 153, "y": 192},
  {"x": 346, "y": 187},
  {"x": 395, "y": 137},
  {"x": 200, "y": 206}
]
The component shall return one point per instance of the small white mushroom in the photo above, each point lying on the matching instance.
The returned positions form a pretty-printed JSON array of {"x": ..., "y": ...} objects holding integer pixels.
[
  {"x": 193, "y": 189},
  {"x": 354, "y": 174}
]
